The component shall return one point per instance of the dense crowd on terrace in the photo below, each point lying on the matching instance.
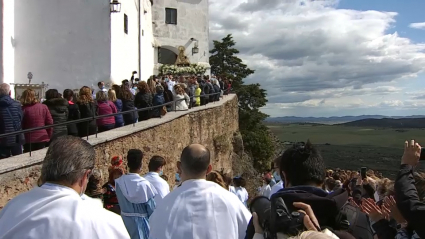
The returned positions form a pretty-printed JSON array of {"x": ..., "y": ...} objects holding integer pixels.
[
  {"x": 159, "y": 94},
  {"x": 300, "y": 197}
]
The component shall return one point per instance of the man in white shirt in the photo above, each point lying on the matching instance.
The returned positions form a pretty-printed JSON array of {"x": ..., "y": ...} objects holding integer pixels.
[
  {"x": 56, "y": 209},
  {"x": 278, "y": 186},
  {"x": 156, "y": 165},
  {"x": 266, "y": 189},
  {"x": 171, "y": 83},
  {"x": 101, "y": 86},
  {"x": 198, "y": 208}
]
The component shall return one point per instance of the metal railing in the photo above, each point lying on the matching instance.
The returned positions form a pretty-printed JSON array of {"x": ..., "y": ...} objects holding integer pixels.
[{"x": 95, "y": 117}]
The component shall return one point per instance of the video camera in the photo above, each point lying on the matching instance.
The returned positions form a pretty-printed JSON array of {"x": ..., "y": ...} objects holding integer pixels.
[{"x": 275, "y": 217}]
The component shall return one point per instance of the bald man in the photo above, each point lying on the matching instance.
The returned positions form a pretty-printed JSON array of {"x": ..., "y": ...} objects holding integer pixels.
[{"x": 198, "y": 209}]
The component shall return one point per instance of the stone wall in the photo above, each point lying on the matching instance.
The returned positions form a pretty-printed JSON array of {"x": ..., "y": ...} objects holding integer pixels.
[{"x": 213, "y": 125}]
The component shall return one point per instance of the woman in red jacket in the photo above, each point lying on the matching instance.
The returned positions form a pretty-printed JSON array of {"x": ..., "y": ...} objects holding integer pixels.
[
  {"x": 35, "y": 115},
  {"x": 105, "y": 107}
]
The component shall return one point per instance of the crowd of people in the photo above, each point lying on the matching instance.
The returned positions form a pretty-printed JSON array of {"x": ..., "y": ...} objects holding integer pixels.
[
  {"x": 158, "y": 94},
  {"x": 306, "y": 199}
]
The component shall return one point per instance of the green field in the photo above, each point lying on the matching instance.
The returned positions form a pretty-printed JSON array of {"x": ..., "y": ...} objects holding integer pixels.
[{"x": 353, "y": 147}]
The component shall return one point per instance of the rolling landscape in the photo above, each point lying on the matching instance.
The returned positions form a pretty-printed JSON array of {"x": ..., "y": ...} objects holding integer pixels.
[{"x": 371, "y": 142}]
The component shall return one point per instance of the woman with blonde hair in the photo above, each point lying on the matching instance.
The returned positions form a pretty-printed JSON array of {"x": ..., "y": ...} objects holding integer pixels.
[
  {"x": 35, "y": 115},
  {"x": 198, "y": 92},
  {"x": 87, "y": 109},
  {"x": 119, "y": 120},
  {"x": 152, "y": 85}
]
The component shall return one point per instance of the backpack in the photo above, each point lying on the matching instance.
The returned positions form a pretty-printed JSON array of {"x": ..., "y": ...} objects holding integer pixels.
[{"x": 357, "y": 222}]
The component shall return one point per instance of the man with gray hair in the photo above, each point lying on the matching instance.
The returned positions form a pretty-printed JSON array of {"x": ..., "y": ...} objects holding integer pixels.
[
  {"x": 10, "y": 118},
  {"x": 56, "y": 209}
]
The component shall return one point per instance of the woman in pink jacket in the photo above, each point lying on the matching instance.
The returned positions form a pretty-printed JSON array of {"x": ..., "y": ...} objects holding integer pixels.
[
  {"x": 35, "y": 115},
  {"x": 105, "y": 107}
]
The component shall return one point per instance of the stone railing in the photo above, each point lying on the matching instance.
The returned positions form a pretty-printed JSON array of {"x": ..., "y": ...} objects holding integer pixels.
[{"x": 210, "y": 125}]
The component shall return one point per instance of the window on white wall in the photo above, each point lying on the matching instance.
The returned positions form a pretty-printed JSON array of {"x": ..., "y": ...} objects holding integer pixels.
[
  {"x": 171, "y": 16},
  {"x": 125, "y": 24}
]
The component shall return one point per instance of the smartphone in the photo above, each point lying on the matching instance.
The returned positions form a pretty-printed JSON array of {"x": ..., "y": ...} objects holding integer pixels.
[{"x": 363, "y": 172}]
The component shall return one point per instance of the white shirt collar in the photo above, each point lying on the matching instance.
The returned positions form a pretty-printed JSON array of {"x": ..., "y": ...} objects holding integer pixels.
[{"x": 153, "y": 173}]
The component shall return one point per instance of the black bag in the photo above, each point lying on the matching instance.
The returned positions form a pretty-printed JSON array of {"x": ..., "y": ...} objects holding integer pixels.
[{"x": 358, "y": 225}]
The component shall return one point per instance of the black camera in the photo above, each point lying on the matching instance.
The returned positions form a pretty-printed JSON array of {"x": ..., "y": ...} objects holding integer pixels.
[{"x": 275, "y": 217}]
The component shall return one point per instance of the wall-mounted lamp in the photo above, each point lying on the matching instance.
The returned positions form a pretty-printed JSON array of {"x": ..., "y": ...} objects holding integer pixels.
[
  {"x": 195, "y": 48},
  {"x": 115, "y": 6}
]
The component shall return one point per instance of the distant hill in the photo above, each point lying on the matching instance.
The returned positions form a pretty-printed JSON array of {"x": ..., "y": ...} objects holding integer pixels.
[
  {"x": 334, "y": 119},
  {"x": 389, "y": 123}
]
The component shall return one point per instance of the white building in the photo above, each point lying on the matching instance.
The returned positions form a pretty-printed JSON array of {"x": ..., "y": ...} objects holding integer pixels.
[
  {"x": 181, "y": 23},
  {"x": 72, "y": 43}
]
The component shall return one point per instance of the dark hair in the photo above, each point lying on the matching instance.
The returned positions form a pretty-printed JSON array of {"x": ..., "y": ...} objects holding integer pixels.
[
  {"x": 195, "y": 161},
  {"x": 239, "y": 182},
  {"x": 143, "y": 87},
  {"x": 227, "y": 179},
  {"x": 302, "y": 165},
  {"x": 126, "y": 93},
  {"x": 99, "y": 83},
  {"x": 67, "y": 94},
  {"x": 52, "y": 94},
  {"x": 268, "y": 180},
  {"x": 336, "y": 176},
  {"x": 134, "y": 159},
  {"x": 118, "y": 91},
  {"x": 156, "y": 162},
  {"x": 330, "y": 183},
  {"x": 217, "y": 178}
]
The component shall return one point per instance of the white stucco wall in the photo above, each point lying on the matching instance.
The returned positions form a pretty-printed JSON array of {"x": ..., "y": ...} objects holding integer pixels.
[
  {"x": 192, "y": 22},
  {"x": 64, "y": 43},
  {"x": 146, "y": 41},
  {"x": 124, "y": 47},
  {"x": 8, "y": 33}
]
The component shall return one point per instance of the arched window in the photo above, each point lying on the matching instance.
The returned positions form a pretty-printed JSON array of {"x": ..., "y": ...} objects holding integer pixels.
[{"x": 166, "y": 56}]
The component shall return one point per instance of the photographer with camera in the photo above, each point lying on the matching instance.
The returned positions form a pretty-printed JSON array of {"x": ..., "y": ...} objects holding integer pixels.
[
  {"x": 303, "y": 171},
  {"x": 309, "y": 221},
  {"x": 406, "y": 195}
]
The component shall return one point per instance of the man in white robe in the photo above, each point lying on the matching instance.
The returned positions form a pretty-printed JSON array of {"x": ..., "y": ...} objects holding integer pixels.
[
  {"x": 56, "y": 208},
  {"x": 155, "y": 166},
  {"x": 198, "y": 209},
  {"x": 278, "y": 186}
]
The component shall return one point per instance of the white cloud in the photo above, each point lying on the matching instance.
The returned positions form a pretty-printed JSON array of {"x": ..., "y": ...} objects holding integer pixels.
[
  {"x": 310, "y": 54},
  {"x": 418, "y": 25}
]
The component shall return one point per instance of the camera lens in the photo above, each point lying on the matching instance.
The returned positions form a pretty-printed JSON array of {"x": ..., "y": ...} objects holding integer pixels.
[{"x": 295, "y": 214}]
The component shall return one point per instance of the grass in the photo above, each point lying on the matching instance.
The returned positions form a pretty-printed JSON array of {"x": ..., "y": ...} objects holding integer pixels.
[{"x": 353, "y": 147}]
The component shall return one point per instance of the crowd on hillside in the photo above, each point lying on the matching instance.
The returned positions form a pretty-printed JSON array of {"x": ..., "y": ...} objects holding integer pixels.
[
  {"x": 178, "y": 92},
  {"x": 299, "y": 199}
]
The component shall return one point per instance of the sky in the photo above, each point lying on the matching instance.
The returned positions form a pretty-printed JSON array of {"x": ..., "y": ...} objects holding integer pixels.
[{"x": 330, "y": 57}]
